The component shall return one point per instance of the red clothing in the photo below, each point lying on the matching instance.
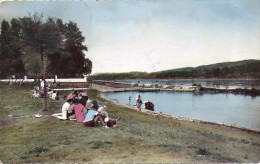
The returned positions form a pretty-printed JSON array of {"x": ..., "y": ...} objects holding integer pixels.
[
  {"x": 90, "y": 123},
  {"x": 79, "y": 112}
]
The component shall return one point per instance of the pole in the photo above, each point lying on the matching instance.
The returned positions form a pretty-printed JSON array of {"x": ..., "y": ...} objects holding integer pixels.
[{"x": 44, "y": 82}]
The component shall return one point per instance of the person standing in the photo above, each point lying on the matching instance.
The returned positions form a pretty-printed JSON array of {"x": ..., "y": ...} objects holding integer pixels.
[{"x": 138, "y": 102}]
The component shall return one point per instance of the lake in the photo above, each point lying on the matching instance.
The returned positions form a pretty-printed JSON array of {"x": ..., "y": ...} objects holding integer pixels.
[{"x": 232, "y": 109}]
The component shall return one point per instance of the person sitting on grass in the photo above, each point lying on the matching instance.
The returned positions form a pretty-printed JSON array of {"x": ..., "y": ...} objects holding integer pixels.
[
  {"x": 71, "y": 111},
  {"x": 108, "y": 120},
  {"x": 64, "y": 110},
  {"x": 95, "y": 118},
  {"x": 83, "y": 94},
  {"x": 57, "y": 97},
  {"x": 92, "y": 118},
  {"x": 80, "y": 109},
  {"x": 94, "y": 105},
  {"x": 54, "y": 94},
  {"x": 112, "y": 122},
  {"x": 72, "y": 95},
  {"x": 95, "y": 111}
]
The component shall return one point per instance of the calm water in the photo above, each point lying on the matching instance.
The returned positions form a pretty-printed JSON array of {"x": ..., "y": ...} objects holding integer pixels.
[{"x": 232, "y": 109}]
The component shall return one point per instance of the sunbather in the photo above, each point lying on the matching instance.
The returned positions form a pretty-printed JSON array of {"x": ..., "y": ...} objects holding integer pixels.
[
  {"x": 64, "y": 110},
  {"x": 94, "y": 105},
  {"x": 92, "y": 118},
  {"x": 110, "y": 122},
  {"x": 72, "y": 95},
  {"x": 83, "y": 94},
  {"x": 80, "y": 110},
  {"x": 71, "y": 111}
]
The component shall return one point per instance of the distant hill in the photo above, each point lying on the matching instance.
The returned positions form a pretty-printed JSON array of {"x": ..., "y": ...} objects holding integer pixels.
[
  {"x": 239, "y": 69},
  {"x": 237, "y": 64}
]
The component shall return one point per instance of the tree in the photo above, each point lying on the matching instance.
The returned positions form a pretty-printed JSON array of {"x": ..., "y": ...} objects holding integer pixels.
[
  {"x": 10, "y": 53},
  {"x": 16, "y": 56},
  {"x": 207, "y": 72},
  {"x": 87, "y": 66},
  {"x": 5, "y": 42},
  {"x": 61, "y": 46},
  {"x": 74, "y": 38},
  {"x": 70, "y": 59},
  {"x": 216, "y": 72},
  {"x": 32, "y": 62},
  {"x": 41, "y": 38},
  {"x": 225, "y": 71}
]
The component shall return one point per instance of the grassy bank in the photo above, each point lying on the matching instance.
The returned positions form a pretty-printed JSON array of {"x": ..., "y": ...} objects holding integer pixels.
[{"x": 139, "y": 137}]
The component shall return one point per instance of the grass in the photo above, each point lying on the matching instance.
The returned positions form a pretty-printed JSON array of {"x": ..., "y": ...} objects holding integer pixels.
[
  {"x": 17, "y": 102},
  {"x": 139, "y": 137}
]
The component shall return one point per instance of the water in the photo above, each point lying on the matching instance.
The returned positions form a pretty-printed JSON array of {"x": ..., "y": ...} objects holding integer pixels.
[
  {"x": 239, "y": 110},
  {"x": 188, "y": 82}
]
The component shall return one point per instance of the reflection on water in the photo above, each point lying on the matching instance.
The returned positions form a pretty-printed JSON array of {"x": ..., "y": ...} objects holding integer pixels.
[{"x": 232, "y": 109}]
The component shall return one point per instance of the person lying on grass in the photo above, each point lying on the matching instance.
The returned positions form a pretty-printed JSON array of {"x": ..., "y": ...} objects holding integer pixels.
[
  {"x": 93, "y": 116},
  {"x": 92, "y": 119},
  {"x": 110, "y": 121}
]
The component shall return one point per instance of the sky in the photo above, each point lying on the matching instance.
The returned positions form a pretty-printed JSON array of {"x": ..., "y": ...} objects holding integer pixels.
[{"x": 155, "y": 35}]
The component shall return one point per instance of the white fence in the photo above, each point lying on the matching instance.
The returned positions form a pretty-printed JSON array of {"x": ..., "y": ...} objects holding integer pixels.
[{"x": 47, "y": 80}]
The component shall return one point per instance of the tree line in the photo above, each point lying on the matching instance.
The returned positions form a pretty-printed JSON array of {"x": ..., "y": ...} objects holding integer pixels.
[
  {"x": 240, "y": 69},
  {"x": 29, "y": 43}
]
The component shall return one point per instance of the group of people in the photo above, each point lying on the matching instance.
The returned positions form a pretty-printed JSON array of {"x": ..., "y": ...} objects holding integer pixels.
[
  {"x": 148, "y": 104},
  {"x": 78, "y": 107},
  {"x": 39, "y": 92}
]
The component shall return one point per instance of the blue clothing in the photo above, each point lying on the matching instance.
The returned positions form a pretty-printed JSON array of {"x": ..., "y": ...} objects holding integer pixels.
[{"x": 90, "y": 115}]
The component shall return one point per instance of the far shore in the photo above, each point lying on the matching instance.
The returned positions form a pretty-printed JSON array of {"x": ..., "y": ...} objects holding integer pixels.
[{"x": 195, "y": 79}]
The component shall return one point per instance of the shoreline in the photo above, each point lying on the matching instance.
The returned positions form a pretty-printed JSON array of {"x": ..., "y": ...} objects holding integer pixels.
[
  {"x": 255, "y": 131},
  {"x": 189, "y": 79},
  {"x": 185, "y": 118}
]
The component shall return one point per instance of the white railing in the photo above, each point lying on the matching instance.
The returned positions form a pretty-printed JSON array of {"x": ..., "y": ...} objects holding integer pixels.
[{"x": 47, "y": 80}]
